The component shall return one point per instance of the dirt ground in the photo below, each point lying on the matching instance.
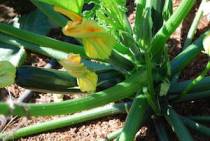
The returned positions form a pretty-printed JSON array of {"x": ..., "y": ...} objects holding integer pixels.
[{"x": 98, "y": 129}]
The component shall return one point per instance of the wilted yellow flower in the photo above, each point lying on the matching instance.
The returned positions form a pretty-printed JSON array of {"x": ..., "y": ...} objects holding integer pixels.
[
  {"x": 88, "y": 83},
  {"x": 206, "y": 44},
  {"x": 86, "y": 79},
  {"x": 97, "y": 42}
]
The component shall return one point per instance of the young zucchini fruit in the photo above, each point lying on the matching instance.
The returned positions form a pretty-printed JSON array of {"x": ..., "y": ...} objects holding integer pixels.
[{"x": 51, "y": 80}]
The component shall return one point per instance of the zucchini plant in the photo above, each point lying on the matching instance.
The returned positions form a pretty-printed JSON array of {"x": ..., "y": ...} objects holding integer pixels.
[{"x": 113, "y": 62}]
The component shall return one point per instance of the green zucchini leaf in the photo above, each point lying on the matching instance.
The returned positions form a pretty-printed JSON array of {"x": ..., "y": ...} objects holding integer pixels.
[
  {"x": 35, "y": 22},
  {"x": 73, "y": 5},
  {"x": 7, "y": 74},
  {"x": 14, "y": 55}
]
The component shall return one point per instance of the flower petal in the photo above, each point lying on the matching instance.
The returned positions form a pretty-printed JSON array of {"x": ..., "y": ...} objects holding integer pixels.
[
  {"x": 98, "y": 43},
  {"x": 73, "y": 65},
  {"x": 85, "y": 29},
  {"x": 86, "y": 79},
  {"x": 99, "y": 47},
  {"x": 88, "y": 83}
]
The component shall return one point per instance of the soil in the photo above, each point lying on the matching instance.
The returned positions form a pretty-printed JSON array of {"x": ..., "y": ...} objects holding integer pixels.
[{"x": 98, "y": 129}]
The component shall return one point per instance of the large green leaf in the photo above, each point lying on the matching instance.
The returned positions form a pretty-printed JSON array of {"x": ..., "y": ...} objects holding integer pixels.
[
  {"x": 73, "y": 5},
  {"x": 36, "y": 22},
  {"x": 54, "y": 16}
]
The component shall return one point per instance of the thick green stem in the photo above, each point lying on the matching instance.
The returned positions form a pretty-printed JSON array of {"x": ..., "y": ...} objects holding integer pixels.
[
  {"x": 120, "y": 62},
  {"x": 186, "y": 56},
  {"x": 169, "y": 27},
  {"x": 194, "y": 25},
  {"x": 179, "y": 87},
  {"x": 199, "y": 128},
  {"x": 160, "y": 129},
  {"x": 41, "y": 40},
  {"x": 135, "y": 118},
  {"x": 196, "y": 80},
  {"x": 49, "y": 52},
  {"x": 200, "y": 118},
  {"x": 67, "y": 121},
  {"x": 150, "y": 92},
  {"x": 190, "y": 96},
  {"x": 113, "y": 135},
  {"x": 177, "y": 125},
  {"x": 116, "y": 59},
  {"x": 122, "y": 90}
]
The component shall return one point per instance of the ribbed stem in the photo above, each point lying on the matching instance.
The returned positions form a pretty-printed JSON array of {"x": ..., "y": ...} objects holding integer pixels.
[
  {"x": 199, "y": 128},
  {"x": 191, "y": 96},
  {"x": 194, "y": 25},
  {"x": 170, "y": 26},
  {"x": 200, "y": 118},
  {"x": 120, "y": 62},
  {"x": 113, "y": 135},
  {"x": 134, "y": 119},
  {"x": 66, "y": 121},
  {"x": 49, "y": 52},
  {"x": 177, "y": 125},
  {"x": 196, "y": 80},
  {"x": 186, "y": 56},
  {"x": 41, "y": 40},
  {"x": 116, "y": 59},
  {"x": 160, "y": 130},
  {"x": 122, "y": 90}
]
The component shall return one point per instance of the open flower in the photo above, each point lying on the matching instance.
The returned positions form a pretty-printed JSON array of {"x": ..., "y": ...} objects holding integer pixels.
[
  {"x": 97, "y": 42},
  {"x": 86, "y": 79}
]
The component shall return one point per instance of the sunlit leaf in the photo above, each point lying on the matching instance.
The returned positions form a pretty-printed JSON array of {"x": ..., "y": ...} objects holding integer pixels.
[
  {"x": 7, "y": 74},
  {"x": 73, "y": 5},
  {"x": 88, "y": 83}
]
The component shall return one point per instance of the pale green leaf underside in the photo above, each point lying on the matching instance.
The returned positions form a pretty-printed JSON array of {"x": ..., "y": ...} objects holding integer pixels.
[{"x": 7, "y": 74}]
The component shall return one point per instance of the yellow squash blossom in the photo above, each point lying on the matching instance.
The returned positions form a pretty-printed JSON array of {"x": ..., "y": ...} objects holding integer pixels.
[
  {"x": 97, "y": 42},
  {"x": 86, "y": 79}
]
